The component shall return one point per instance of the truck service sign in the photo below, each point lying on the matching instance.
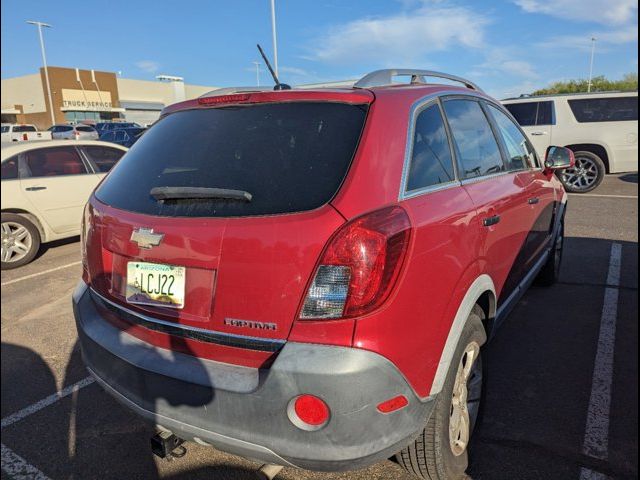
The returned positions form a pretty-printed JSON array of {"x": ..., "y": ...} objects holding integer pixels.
[{"x": 86, "y": 99}]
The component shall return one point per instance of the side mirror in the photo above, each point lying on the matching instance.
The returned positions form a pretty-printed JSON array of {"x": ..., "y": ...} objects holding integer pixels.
[{"x": 558, "y": 158}]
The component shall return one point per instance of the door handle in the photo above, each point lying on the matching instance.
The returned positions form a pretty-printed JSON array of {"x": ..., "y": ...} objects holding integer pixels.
[
  {"x": 538, "y": 133},
  {"x": 533, "y": 201},
  {"x": 35, "y": 189},
  {"x": 487, "y": 222}
]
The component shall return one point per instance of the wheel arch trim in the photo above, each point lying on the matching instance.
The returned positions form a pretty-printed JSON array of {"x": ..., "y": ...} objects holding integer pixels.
[
  {"x": 481, "y": 285},
  {"x": 42, "y": 228}
]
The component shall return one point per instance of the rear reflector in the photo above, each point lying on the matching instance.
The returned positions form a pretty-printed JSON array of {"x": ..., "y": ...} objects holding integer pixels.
[
  {"x": 393, "y": 404},
  {"x": 308, "y": 412},
  {"x": 224, "y": 99}
]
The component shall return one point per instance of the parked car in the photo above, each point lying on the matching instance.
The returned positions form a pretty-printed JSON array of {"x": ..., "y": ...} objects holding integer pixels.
[
  {"x": 22, "y": 133},
  {"x": 44, "y": 188},
  {"x": 107, "y": 126},
  {"x": 73, "y": 132},
  {"x": 125, "y": 136},
  {"x": 323, "y": 266},
  {"x": 601, "y": 128}
]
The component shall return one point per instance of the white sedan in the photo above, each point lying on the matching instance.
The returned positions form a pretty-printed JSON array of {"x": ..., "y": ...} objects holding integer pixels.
[{"x": 45, "y": 186}]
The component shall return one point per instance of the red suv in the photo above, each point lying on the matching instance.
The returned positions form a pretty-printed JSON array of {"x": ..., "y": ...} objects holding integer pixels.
[{"x": 306, "y": 277}]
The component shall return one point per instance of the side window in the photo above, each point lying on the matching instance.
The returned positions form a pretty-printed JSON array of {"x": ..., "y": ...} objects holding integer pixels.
[
  {"x": 104, "y": 158},
  {"x": 476, "y": 146},
  {"x": 545, "y": 113},
  {"x": 119, "y": 134},
  {"x": 521, "y": 154},
  {"x": 10, "y": 168},
  {"x": 431, "y": 162},
  {"x": 524, "y": 113},
  {"x": 107, "y": 137},
  {"x": 49, "y": 162},
  {"x": 617, "y": 109}
]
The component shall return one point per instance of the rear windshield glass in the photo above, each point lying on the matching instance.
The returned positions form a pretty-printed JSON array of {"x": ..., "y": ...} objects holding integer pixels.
[
  {"x": 290, "y": 157},
  {"x": 618, "y": 109},
  {"x": 85, "y": 129},
  {"x": 24, "y": 128}
]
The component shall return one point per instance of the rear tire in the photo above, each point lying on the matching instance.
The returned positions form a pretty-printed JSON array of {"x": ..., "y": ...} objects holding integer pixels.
[
  {"x": 550, "y": 273},
  {"x": 440, "y": 451},
  {"x": 587, "y": 174},
  {"x": 20, "y": 241}
]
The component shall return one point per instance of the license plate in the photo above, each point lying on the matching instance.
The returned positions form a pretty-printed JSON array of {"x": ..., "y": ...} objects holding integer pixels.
[{"x": 155, "y": 284}]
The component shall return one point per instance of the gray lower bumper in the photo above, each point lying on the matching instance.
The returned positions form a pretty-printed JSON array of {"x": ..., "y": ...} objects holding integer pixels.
[{"x": 243, "y": 410}]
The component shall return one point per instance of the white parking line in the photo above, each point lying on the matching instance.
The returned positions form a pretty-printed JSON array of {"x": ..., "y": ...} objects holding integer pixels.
[
  {"x": 18, "y": 468},
  {"x": 45, "y": 402},
  {"x": 44, "y": 272},
  {"x": 601, "y": 195},
  {"x": 596, "y": 437}
]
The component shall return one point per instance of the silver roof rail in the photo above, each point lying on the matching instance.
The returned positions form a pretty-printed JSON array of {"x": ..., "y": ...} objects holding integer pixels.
[
  {"x": 231, "y": 90},
  {"x": 385, "y": 77}
]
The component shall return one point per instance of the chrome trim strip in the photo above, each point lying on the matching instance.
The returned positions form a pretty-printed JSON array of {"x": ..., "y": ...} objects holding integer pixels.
[
  {"x": 195, "y": 333},
  {"x": 467, "y": 181}
]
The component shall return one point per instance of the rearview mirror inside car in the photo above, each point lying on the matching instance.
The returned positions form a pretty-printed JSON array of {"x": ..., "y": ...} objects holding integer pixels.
[{"x": 558, "y": 158}]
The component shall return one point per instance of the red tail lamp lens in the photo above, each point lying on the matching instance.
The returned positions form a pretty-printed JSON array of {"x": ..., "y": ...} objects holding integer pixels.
[
  {"x": 308, "y": 412},
  {"x": 393, "y": 404}
]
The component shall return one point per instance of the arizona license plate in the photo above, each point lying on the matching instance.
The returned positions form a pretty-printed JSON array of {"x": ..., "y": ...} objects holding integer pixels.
[{"x": 155, "y": 284}]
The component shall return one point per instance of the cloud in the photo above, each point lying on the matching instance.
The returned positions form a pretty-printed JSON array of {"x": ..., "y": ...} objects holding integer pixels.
[
  {"x": 608, "y": 12},
  {"x": 583, "y": 42},
  {"x": 294, "y": 71},
  {"x": 505, "y": 61},
  {"x": 148, "y": 66},
  {"x": 405, "y": 37}
]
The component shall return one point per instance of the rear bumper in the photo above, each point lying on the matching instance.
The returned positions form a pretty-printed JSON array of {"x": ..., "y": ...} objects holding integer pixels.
[{"x": 243, "y": 410}]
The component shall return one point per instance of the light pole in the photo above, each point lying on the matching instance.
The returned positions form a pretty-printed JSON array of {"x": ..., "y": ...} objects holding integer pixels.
[
  {"x": 273, "y": 34},
  {"x": 44, "y": 62},
  {"x": 257, "y": 64},
  {"x": 593, "y": 49}
]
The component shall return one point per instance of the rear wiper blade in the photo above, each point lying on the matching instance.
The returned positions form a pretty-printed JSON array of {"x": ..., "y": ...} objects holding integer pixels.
[{"x": 188, "y": 193}]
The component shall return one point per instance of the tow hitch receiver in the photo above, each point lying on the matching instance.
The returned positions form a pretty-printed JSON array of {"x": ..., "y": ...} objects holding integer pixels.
[{"x": 167, "y": 445}]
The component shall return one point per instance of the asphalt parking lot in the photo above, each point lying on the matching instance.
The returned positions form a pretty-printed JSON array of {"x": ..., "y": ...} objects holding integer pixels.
[{"x": 562, "y": 376}]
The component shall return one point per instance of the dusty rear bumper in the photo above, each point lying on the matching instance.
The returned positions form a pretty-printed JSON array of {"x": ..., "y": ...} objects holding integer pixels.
[{"x": 243, "y": 410}]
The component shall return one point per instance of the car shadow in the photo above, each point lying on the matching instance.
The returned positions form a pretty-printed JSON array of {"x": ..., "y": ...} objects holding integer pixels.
[
  {"x": 629, "y": 177},
  {"x": 45, "y": 247}
]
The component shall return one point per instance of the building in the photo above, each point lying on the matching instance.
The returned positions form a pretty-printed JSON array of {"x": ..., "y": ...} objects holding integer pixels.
[{"x": 89, "y": 95}]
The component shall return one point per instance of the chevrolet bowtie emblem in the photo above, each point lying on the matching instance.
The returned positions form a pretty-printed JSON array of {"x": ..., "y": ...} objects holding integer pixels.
[{"x": 145, "y": 238}]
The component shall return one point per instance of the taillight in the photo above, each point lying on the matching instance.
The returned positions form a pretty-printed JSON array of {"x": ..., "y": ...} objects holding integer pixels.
[
  {"x": 25, "y": 137},
  {"x": 359, "y": 266},
  {"x": 84, "y": 233}
]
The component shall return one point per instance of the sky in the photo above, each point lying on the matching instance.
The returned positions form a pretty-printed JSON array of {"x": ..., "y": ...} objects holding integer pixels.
[{"x": 508, "y": 47}]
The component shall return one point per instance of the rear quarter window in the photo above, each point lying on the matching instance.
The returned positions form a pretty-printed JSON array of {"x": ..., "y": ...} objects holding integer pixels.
[
  {"x": 104, "y": 158},
  {"x": 290, "y": 157},
  {"x": 431, "y": 161},
  {"x": 617, "y": 109}
]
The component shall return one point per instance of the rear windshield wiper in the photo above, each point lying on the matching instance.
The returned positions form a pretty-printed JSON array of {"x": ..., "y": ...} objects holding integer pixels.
[{"x": 188, "y": 193}]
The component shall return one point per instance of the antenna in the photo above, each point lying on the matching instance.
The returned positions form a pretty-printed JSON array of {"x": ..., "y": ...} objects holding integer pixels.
[{"x": 278, "y": 85}]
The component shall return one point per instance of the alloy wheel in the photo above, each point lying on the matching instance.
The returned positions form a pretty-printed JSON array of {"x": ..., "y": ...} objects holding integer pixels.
[
  {"x": 583, "y": 175},
  {"x": 16, "y": 242},
  {"x": 465, "y": 401}
]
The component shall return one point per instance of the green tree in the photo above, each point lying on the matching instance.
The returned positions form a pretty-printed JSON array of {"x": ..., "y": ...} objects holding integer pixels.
[{"x": 629, "y": 82}]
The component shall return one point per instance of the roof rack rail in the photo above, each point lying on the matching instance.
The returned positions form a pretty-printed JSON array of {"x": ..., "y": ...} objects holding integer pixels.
[
  {"x": 231, "y": 90},
  {"x": 385, "y": 77}
]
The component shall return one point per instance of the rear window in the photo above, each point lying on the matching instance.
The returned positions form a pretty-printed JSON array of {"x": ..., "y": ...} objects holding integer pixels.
[
  {"x": 85, "y": 129},
  {"x": 290, "y": 157},
  {"x": 10, "y": 168},
  {"x": 24, "y": 128},
  {"x": 617, "y": 109}
]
